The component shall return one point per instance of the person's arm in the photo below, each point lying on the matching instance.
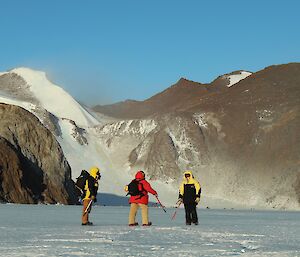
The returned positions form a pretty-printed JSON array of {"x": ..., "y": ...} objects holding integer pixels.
[
  {"x": 148, "y": 187},
  {"x": 198, "y": 192},
  {"x": 198, "y": 189},
  {"x": 180, "y": 196},
  {"x": 181, "y": 191}
]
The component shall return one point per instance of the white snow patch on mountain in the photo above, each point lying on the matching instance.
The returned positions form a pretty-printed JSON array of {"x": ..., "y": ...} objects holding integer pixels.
[
  {"x": 53, "y": 98},
  {"x": 200, "y": 120},
  {"x": 181, "y": 141},
  {"x": 238, "y": 77},
  {"x": 84, "y": 156},
  {"x": 25, "y": 105},
  {"x": 140, "y": 127}
]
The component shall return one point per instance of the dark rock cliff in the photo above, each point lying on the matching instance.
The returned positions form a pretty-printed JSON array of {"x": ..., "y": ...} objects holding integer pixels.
[{"x": 33, "y": 168}]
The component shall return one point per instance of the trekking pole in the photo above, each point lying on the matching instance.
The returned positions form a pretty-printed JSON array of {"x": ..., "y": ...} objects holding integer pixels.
[
  {"x": 163, "y": 207},
  {"x": 89, "y": 205},
  {"x": 175, "y": 212}
]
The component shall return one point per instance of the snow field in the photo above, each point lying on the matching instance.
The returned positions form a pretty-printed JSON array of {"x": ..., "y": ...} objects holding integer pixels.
[{"x": 43, "y": 230}]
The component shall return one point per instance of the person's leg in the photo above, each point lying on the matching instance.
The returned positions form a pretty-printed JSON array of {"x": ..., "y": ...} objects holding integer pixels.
[
  {"x": 194, "y": 214},
  {"x": 188, "y": 219},
  {"x": 144, "y": 208},
  {"x": 85, "y": 214},
  {"x": 132, "y": 213}
]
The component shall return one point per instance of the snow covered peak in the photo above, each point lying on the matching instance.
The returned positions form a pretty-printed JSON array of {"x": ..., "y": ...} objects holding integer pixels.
[
  {"x": 53, "y": 98},
  {"x": 31, "y": 76},
  {"x": 235, "y": 78}
]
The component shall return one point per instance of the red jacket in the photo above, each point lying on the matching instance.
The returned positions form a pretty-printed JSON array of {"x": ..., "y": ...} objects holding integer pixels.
[{"x": 145, "y": 187}]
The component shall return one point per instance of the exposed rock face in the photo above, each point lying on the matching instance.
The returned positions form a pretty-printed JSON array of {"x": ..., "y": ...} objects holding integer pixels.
[
  {"x": 33, "y": 168},
  {"x": 242, "y": 142},
  {"x": 77, "y": 133},
  {"x": 49, "y": 120},
  {"x": 15, "y": 86}
]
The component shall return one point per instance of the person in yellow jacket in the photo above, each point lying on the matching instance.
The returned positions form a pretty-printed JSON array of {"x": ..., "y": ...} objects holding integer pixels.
[
  {"x": 189, "y": 194},
  {"x": 90, "y": 193}
]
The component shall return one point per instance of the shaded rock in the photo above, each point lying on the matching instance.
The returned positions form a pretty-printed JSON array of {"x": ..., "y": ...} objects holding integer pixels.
[{"x": 33, "y": 167}]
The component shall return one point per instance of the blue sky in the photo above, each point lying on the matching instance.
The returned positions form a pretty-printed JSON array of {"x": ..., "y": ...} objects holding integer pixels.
[{"x": 107, "y": 51}]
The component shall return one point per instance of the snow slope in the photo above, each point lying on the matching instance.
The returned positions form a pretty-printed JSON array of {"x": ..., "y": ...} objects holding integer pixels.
[{"x": 53, "y": 98}]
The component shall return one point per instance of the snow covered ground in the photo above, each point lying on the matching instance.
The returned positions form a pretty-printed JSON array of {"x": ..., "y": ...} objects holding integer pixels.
[{"x": 40, "y": 230}]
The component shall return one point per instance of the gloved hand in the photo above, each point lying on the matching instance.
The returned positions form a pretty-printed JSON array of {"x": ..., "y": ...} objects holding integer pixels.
[
  {"x": 126, "y": 188},
  {"x": 93, "y": 197},
  {"x": 197, "y": 200},
  {"x": 95, "y": 200},
  {"x": 179, "y": 201}
]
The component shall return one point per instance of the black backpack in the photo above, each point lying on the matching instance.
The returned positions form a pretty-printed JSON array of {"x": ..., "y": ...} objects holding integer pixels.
[
  {"x": 133, "y": 188},
  {"x": 80, "y": 183}
]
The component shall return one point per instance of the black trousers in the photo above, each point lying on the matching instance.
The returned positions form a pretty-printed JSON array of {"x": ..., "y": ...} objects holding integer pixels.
[{"x": 190, "y": 213}]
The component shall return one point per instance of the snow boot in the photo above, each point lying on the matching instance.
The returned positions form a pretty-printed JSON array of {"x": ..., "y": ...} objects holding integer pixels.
[
  {"x": 134, "y": 224},
  {"x": 147, "y": 225},
  {"x": 188, "y": 223},
  {"x": 87, "y": 224}
]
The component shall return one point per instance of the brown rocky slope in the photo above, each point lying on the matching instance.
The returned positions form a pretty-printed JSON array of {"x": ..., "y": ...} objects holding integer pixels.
[{"x": 33, "y": 168}]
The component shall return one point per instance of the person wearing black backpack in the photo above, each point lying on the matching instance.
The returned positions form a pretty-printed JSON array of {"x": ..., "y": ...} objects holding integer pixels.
[
  {"x": 90, "y": 193},
  {"x": 138, "y": 190}
]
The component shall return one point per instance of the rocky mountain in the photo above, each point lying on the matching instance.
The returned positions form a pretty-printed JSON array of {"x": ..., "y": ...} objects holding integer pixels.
[
  {"x": 169, "y": 100},
  {"x": 173, "y": 99},
  {"x": 239, "y": 135},
  {"x": 33, "y": 168},
  {"x": 240, "y": 139}
]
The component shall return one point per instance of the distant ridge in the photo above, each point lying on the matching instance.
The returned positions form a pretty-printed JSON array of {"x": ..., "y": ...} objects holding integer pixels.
[{"x": 175, "y": 98}]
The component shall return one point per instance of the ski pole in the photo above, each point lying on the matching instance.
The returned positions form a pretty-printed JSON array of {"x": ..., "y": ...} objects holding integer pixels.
[
  {"x": 89, "y": 205},
  {"x": 160, "y": 204},
  {"x": 175, "y": 212}
]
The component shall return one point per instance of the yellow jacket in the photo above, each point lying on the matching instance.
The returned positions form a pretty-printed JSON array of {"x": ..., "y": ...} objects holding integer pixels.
[
  {"x": 190, "y": 188},
  {"x": 91, "y": 184}
]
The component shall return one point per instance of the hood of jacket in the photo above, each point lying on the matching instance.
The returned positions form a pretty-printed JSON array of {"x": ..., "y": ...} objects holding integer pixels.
[
  {"x": 94, "y": 171},
  {"x": 140, "y": 175},
  {"x": 188, "y": 172},
  {"x": 189, "y": 180}
]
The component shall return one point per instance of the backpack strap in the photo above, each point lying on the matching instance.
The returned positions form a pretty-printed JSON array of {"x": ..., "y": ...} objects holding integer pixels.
[{"x": 141, "y": 191}]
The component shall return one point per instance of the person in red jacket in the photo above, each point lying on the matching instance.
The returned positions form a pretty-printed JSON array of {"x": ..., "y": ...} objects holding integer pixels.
[{"x": 139, "y": 199}]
